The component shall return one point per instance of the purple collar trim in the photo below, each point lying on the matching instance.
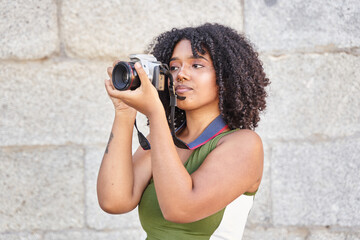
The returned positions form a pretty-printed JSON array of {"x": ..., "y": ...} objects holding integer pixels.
[{"x": 216, "y": 127}]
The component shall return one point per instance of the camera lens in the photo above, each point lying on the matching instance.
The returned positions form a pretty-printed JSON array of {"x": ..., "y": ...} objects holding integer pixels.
[{"x": 124, "y": 76}]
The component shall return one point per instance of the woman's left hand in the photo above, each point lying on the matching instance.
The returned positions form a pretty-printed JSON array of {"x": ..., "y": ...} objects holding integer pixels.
[{"x": 145, "y": 98}]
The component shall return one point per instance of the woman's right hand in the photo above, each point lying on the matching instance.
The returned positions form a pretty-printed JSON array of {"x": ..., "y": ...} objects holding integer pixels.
[{"x": 119, "y": 105}]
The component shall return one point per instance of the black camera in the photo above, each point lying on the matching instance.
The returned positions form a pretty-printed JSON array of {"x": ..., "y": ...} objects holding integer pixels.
[{"x": 125, "y": 77}]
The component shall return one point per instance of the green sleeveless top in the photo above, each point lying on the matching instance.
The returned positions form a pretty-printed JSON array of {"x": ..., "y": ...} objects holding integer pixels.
[{"x": 158, "y": 228}]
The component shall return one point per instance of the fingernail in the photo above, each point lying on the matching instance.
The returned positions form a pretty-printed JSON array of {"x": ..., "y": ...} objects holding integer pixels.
[{"x": 137, "y": 64}]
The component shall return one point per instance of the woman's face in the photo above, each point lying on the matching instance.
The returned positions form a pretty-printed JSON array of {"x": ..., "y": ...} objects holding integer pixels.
[{"x": 194, "y": 78}]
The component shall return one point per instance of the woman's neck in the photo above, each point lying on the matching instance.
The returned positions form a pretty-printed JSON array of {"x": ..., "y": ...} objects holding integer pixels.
[{"x": 196, "y": 123}]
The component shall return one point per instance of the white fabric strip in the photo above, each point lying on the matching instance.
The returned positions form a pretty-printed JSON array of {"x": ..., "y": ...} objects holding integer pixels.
[{"x": 234, "y": 220}]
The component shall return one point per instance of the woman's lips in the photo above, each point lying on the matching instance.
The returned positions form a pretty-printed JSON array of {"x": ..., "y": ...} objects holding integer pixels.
[{"x": 182, "y": 89}]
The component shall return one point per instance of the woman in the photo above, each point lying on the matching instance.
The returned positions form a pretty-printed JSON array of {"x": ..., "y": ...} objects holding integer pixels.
[{"x": 205, "y": 191}]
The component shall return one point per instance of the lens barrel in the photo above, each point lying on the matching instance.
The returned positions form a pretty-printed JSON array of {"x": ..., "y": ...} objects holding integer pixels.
[{"x": 125, "y": 77}]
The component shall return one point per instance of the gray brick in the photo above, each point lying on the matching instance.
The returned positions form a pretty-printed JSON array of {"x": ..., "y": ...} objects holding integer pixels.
[
  {"x": 28, "y": 29},
  {"x": 54, "y": 102},
  {"x": 337, "y": 96},
  {"x": 95, "y": 217},
  {"x": 274, "y": 234},
  {"x": 313, "y": 95},
  {"x": 353, "y": 236},
  {"x": 116, "y": 29},
  {"x": 260, "y": 214},
  {"x": 280, "y": 25},
  {"x": 41, "y": 188},
  {"x": 20, "y": 236},
  {"x": 316, "y": 183},
  {"x": 128, "y": 234},
  {"x": 326, "y": 235}
]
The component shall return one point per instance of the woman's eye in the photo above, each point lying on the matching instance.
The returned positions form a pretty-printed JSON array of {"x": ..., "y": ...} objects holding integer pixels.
[
  {"x": 173, "y": 68},
  {"x": 197, "y": 66}
]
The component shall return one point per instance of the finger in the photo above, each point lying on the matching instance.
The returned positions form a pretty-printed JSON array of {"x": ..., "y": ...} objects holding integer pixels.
[
  {"x": 123, "y": 95},
  {"x": 108, "y": 86},
  {"x": 115, "y": 62},
  {"x": 110, "y": 89},
  {"x": 142, "y": 74},
  {"x": 109, "y": 71}
]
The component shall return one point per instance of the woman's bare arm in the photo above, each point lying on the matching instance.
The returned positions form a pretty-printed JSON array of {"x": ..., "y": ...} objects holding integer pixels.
[{"x": 122, "y": 177}]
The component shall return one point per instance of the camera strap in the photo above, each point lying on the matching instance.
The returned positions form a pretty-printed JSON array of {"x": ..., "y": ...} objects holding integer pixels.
[
  {"x": 173, "y": 98},
  {"x": 216, "y": 127},
  {"x": 144, "y": 143}
]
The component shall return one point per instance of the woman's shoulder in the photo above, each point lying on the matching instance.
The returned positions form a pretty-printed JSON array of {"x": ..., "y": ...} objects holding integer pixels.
[{"x": 240, "y": 136}]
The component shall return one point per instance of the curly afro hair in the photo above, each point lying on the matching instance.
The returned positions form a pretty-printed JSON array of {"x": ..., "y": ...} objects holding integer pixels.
[{"x": 239, "y": 73}]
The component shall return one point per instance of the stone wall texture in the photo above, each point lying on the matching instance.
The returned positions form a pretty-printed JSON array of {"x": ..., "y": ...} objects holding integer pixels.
[{"x": 55, "y": 116}]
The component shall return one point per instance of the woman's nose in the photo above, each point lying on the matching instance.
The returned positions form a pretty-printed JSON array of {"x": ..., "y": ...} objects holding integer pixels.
[{"x": 183, "y": 74}]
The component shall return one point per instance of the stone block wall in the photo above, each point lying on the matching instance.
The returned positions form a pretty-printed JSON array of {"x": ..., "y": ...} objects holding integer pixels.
[{"x": 55, "y": 116}]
